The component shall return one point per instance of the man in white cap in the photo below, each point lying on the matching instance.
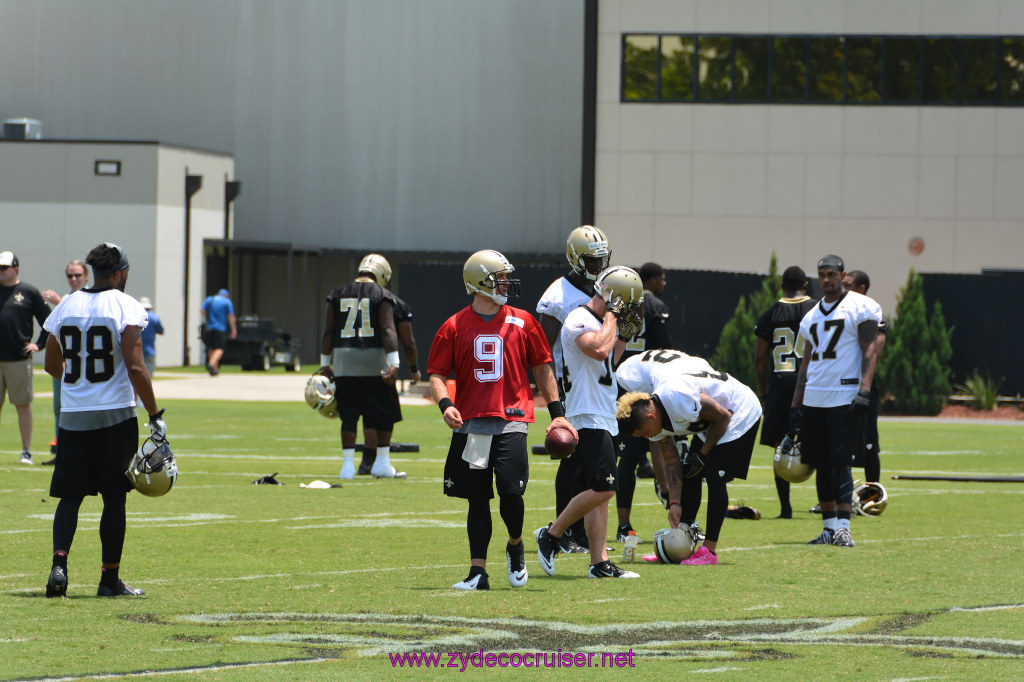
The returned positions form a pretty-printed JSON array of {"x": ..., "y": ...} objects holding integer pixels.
[{"x": 19, "y": 303}]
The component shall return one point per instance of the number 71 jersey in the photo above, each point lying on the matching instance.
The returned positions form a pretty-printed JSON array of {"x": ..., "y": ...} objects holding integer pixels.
[
  {"x": 833, "y": 350},
  {"x": 88, "y": 325},
  {"x": 490, "y": 360}
]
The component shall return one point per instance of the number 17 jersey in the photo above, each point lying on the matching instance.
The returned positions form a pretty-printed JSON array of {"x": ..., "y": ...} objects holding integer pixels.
[{"x": 490, "y": 360}]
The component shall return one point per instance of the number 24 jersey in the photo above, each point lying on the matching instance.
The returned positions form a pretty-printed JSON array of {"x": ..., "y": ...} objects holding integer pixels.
[{"x": 490, "y": 361}]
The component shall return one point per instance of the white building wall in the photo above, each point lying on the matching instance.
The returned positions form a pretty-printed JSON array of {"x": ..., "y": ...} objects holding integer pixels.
[{"x": 722, "y": 186}]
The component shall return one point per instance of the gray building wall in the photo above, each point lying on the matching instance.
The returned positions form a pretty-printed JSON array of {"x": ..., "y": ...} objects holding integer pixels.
[{"x": 386, "y": 125}]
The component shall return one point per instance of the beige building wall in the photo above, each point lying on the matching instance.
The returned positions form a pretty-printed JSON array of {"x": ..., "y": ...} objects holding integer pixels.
[
  {"x": 54, "y": 208},
  {"x": 722, "y": 186}
]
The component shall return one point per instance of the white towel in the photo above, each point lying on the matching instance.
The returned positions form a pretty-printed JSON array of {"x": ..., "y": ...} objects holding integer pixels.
[{"x": 478, "y": 450}]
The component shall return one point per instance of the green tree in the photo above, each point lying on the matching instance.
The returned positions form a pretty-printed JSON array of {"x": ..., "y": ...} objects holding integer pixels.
[
  {"x": 914, "y": 367},
  {"x": 735, "y": 351}
]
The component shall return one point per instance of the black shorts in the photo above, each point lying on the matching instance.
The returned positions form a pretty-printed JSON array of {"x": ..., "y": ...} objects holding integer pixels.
[
  {"x": 216, "y": 339},
  {"x": 91, "y": 462},
  {"x": 509, "y": 465},
  {"x": 832, "y": 432},
  {"x": 776, "y": 413},
  {"x": 596, "y": 455},
  {"x": 727, "y": 461},
  {"x": 371, "y": 398},
  {"x": 631, "y": 447}
]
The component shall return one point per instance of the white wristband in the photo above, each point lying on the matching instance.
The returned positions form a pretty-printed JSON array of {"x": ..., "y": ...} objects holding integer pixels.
[
  {"x": 392, "y": 360},
  {"x": 325, "y": 360}
]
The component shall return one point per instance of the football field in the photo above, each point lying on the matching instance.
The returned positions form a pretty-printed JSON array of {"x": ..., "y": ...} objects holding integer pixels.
[{"x": 285, "y": 582}]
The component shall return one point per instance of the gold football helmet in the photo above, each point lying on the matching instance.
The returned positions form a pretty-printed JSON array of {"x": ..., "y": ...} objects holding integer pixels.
[
  {"x": 480, "y": 275},
  {"x": 672, "y": 545},
  {"x": 587, "y": 242},
  {"x": 869, "y": 499},
  {"x": 320, "y": 395},
  {"x": 787, "y": 463},
  {"x": 376, "y": 266},
  {"x": 153, "y": 469},
  {"x": 622, "y": 290}
]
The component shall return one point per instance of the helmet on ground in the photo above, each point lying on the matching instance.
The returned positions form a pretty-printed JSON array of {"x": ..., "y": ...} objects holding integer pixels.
[
  {"x": 672, "y": 545},
  {"x": 787, "y": 463},
  {"x": 376, "y": 266},
  {"x": 320, "y": 395},
  {"x": 480, "y": 275},
  {"x": 869, "y": 499},
  {"x": 153, "y": 469},
  {"x": 587, "y": 242}
]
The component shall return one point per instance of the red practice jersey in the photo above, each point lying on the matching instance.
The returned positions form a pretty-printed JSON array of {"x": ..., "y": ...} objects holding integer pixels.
[{"x": 490, "y": 360}]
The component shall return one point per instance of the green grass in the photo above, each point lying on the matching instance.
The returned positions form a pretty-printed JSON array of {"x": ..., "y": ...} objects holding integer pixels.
[{"x": 329, "y": 581}]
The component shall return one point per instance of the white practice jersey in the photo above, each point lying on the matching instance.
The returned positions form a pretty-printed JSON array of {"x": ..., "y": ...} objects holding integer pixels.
[
  {"x": 678, "y": 379},
  {"x": 560, "y": 299},
  {"x": 833, "y": 350},
  {"x": 589, "y": 384},
  {"x": 88, "y": 326}
]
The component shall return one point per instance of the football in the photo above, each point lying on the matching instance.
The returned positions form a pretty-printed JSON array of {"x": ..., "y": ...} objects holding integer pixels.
[{"x": 560, "y": 442}]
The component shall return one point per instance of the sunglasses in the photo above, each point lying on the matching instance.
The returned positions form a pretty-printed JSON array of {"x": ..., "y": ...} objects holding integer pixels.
[{"x": 5, "y": 267}]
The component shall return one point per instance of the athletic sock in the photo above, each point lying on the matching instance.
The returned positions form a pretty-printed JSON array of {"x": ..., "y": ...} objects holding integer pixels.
[
  {"x": 476, "y": 570},
  {"x": 844, "y": 523},
  {"x": 383, "y": 457},
  {"x": 108, "y": 576},
  {"x": 348, "y": 456},
  {"x": 831, "y": 523}
]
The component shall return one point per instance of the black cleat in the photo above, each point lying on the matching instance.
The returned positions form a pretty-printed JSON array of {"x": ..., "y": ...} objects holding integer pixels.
[
  {"x": 824, "y": 539},
  {"x": 515, "y": 563},
  {"x": 646, "y": 469},
  {"x": 57, "y": 585},
  {"x": 547, "y": 548},
  {"x": 566, "y": 545},
  {"x": 364, "y": 468},
  {"x": 607, "y": 569},
  {"x": 121, "y": 590}
]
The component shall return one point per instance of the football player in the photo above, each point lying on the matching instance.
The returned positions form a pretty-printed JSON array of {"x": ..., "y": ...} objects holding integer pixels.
[
  {"x": 588, "y": 254},
  {"x": 489, "y": 345},
  {"x": 858, "y": 281},
  {"x": 633, "y": 451},
  {"x": 589, "y": 338},
  {"x": 833, "y": 392},
  {"x": 403, "y": 327},
  {"x": 671, "y": 394},
  {"x": 776, "y": 361},
  {"x": 359, "y": 350},
  {"x": 95, "y": 349}
]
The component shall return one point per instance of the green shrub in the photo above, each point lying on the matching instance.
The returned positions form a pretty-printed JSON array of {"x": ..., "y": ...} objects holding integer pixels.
[
  {"x": 736, "y": 344},
  {"x": 914, "y": 367},
  {"x": 983, "y": 390}
]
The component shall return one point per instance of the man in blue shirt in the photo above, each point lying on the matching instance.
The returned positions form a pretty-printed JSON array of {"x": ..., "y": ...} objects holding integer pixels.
[
  {"x": 219, "y": 315},
  {"x": 154, "y": 327}
]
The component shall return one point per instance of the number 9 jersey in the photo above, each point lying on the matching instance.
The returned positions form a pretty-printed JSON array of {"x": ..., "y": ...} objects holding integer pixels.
[
  {"x": 88, "y": 325},
  {"x": 490, "y": 359}
]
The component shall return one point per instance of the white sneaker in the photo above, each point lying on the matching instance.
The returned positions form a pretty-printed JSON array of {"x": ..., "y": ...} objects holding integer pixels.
[
  {"x": 348, "y": 471},
  {"x": 26, "y": 457},
  {"x": 389, "y": 472},
  {"x": 473, "y": 582}
]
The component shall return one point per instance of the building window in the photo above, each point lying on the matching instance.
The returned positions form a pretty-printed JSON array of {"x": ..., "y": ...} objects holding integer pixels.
[{"x": 825, "y": 69}]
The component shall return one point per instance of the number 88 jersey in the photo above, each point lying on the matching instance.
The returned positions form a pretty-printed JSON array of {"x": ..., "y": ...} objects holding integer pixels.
[
  {"x": 490, "y": 360},
  {"x": 88, "y": 325},
  {"x": 833, "y": 351}
]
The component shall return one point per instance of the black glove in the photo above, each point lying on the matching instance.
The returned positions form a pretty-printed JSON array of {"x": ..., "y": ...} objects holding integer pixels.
[
  {"x": 861, "y": 402},
  {"x": 158, "y": 427},
  {"x": 796, "y": 418}
]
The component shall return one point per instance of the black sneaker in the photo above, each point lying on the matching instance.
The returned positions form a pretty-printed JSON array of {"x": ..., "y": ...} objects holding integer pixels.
[
  {"x": 547, "y": 548},
  {"x": 607, "y": 569},
  {"x": 842, "y": 538},
  {"x": 623, "y": 532},
  {"x": 57, "y": 585},
  {"x": 121, "y": 590},
  {"x": 566, "y": 545},
  {"x": 646, "y": 469},
  {"x": 515, "y": 562},
  {"x": 824, "y": 539},
  {"x": 477, "y": 581}
]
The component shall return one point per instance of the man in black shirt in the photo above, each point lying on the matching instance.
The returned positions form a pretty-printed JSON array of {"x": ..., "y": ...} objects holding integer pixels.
[
  {"x": 19, "y": 303},
  {"x": 777, "y": 361},
  {"x": 858, "y": 280}
]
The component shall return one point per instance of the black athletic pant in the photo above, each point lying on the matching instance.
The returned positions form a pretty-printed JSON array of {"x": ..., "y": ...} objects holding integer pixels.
[{"x": 478, "y": 521}]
